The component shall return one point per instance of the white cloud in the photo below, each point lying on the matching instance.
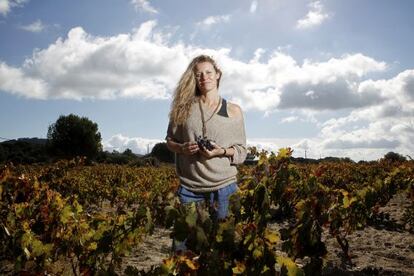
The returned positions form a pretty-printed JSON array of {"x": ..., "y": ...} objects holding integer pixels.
[
  {"x": 315, "y": 16},
  {"x": 253, "y": 6},
  {"x": 290, "y": 119},
  {"x": 143, "y": 5},
  {"x": 377, "y": 129},
  {"x": 279, "y": 82},
  {"x": 143, "y": 64},
  {"x": 257, "y": 55},
  {"x": 370, "y": 143},
  {"x": 269, "y": 144},
  {"x": 34, "y": 27},
  {"x": 83, "y": 66},
  {"x": 368, "y": 131},
  {"x": 7, "y": 5},
  {"x": 355, "y": 141},
  {"x": 15, "y": 82},
  {"x": 137, "y": 145},
  {"x": 304, "y": 144},
  {"x": 377, "y": 137},
  {"x": 325, "y": 96},
  {"x": 300, "y": 147},
  {"x": 213, "y": 20}
]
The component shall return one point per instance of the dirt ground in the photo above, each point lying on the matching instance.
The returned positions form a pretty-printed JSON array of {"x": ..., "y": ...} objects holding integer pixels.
[{"x": 385, "y": 248}]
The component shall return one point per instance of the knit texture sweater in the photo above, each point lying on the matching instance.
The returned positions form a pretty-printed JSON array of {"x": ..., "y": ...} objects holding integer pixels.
[{"x": 198, "y": 173}]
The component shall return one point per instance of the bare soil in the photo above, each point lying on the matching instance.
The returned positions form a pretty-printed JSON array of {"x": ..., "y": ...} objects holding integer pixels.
[{"x": 383, "y": 248}]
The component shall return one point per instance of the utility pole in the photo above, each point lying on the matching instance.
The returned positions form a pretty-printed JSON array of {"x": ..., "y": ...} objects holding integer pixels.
[{"x": 305, "y": 154}]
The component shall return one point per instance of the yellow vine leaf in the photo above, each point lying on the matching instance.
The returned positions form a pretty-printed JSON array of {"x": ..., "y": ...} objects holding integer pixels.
[
  {"x": 168, "y": 264},
  {"x": 284, "y": 153},
  {"x": 66, "y": 214},
  {"x": 257, "y": 253},
  {"x": 191, "y": 264},
  {"x": 240, "y": 268},
  {"x": 347, "y": 200},
  {"x": 292, "y": 268},
  {"x": 93, "y": 246},
  {"x": 272, "y": 237}
]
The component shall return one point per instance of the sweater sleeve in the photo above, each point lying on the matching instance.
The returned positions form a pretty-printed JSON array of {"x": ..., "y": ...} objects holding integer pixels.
[
  {"x": 173, "y": 132},
  {"x": 240, "y": 149}
]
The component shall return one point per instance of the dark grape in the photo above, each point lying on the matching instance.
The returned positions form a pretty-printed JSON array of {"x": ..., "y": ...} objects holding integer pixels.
[{"x": 204, "y": 143}]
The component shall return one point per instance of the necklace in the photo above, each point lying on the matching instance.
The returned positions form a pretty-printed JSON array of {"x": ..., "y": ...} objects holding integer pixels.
[{"x": 202, "y": 114}]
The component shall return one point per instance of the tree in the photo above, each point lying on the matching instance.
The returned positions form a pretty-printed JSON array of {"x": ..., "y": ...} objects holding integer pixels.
[
  {"x": 162, "y": 153},
  {"x": 128, "y": 152},
  {"x": 72, "y": 136},
  {"x": 3, "y": 154},
  {"x": 393, "y": 156}
]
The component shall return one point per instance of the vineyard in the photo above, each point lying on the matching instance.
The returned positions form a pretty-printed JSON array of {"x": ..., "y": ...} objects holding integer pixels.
[{"x": 76, "y": 219}]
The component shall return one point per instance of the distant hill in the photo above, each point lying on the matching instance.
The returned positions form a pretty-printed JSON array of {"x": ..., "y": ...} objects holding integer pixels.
[
  {"x": 34, "y": 140},
  {"x": 24, "y": 151},
  {"x": 31, "y": 150}
]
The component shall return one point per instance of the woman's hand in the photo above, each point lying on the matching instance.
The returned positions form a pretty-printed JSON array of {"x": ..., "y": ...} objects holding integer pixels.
[
  {"x": 216, "y": 151},
  {"x": 189, "y": 148}
]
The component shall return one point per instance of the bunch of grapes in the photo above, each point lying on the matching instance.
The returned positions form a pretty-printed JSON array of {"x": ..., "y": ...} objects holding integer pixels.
[{"x": 204, "y": 143}]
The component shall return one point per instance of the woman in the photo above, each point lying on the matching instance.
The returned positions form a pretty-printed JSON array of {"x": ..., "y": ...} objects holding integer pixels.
[{"x": 198, "y": 111}]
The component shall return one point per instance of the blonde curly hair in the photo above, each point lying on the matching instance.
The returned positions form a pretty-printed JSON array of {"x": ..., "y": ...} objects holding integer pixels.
[{"x": 187, "y": 91}]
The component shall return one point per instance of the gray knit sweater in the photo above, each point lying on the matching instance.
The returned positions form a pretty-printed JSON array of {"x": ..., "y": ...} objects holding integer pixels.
[{"x": 198, "y": 173}]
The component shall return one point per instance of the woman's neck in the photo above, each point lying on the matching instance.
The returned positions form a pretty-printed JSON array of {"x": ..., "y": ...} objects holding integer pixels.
[{"x": 210, "y": 98}]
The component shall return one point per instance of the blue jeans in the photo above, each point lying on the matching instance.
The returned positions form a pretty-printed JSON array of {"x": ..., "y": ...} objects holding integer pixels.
[{"x": 219, "y": 198}]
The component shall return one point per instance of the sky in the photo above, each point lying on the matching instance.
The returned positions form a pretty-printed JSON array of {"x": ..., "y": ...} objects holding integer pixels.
[{"x": 327, "y": 78}]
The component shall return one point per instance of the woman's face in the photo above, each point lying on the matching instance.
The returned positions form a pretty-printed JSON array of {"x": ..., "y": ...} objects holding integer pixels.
[{"x": 206, "y": 76}]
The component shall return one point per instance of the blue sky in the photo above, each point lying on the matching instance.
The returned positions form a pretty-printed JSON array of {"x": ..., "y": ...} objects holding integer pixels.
[{"x": 332, "y": 78}]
